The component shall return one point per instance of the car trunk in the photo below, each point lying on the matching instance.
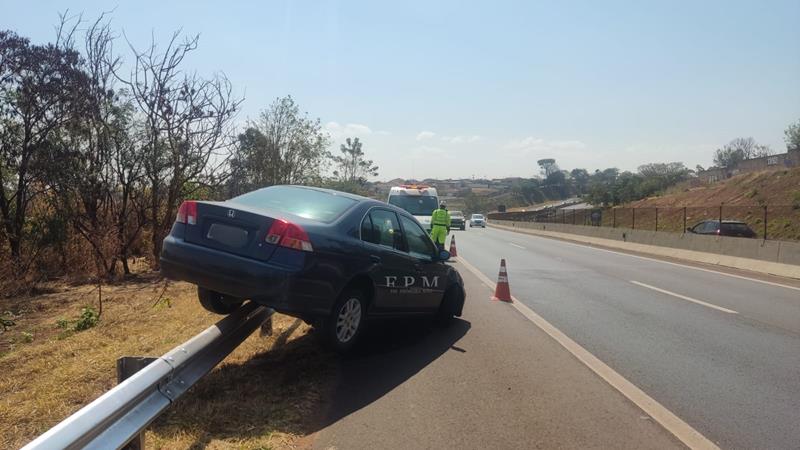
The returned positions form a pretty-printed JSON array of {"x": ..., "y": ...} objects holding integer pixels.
[{"x": 231, "y": 230}]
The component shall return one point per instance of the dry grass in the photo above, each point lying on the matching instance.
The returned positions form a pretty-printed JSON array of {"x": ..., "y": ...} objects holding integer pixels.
[{"x": 266, "y": 394}]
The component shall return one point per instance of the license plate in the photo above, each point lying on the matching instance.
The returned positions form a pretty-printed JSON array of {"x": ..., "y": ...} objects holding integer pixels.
[{"x": 227, "y": 235}]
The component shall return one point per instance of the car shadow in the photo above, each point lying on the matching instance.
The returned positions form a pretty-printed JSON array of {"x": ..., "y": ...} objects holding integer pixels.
[
  {"x": 297, "y": 387},
  {"x": 389, "y": 354}
]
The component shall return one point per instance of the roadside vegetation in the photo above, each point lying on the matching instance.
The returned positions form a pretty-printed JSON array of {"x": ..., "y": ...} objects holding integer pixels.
[
  {"x": 56, "y": 359},
  {"x": 98, "y": 148}
]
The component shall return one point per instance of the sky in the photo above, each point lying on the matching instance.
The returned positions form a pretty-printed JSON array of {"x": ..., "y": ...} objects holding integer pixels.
[{"x": 452, "y": 89}]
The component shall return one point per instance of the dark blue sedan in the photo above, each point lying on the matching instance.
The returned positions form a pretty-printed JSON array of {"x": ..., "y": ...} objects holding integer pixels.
[{"x": 330, "y": 258}]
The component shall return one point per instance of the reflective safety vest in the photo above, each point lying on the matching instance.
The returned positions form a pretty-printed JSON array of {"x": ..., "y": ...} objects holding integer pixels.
[{"x": 440, "y": 217}]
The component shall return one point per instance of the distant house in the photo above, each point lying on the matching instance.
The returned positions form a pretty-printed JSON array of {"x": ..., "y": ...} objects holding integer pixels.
[{"x": 780, "y": 161}]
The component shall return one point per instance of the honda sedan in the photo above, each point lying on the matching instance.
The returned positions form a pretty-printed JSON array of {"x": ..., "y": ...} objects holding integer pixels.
[{"x": 330, "y": 258}]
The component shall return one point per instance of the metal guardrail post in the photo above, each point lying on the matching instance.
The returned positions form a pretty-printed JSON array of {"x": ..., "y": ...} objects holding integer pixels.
[
  {"x": 127, "y": 366},
  {"x": 656, "y": 219}
]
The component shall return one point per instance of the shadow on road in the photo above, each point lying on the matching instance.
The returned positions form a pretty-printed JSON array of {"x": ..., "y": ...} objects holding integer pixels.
[
  {"x": 390, "y": 354},
  {"x": 298, "y": 387}
]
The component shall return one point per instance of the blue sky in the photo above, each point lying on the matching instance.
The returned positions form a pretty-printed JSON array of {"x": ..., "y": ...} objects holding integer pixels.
[{"x": 456, "y": 89}]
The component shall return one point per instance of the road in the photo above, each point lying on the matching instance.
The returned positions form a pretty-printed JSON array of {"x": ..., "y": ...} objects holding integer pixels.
[
  {"x": 721, "y": 352},
  {"x": 490, "y": 380}
]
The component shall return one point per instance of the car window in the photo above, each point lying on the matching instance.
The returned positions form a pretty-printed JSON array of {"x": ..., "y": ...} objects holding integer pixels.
[
  {"x": 307, "y": 203},
  {"x": 417, "y": 205},
  {"x": 367, "y": 233},
  {"x": 736, "y": 227},
  {"x": 385, "y": 229},
  {"x": 419, "y": 243}
]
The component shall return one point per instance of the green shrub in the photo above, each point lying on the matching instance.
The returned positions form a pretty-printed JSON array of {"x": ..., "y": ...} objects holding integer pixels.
[
  {"x": 6, "y": 320},
  {"x": 88, "y": 319},
  {"x": 26, "y": 337}
]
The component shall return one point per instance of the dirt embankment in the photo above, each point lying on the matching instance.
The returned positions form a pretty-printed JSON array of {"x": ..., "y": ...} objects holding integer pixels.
[{"x": 772, "y": 188}]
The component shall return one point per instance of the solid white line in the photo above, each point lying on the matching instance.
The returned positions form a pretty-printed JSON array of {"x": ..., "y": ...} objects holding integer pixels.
[
  {"x": 577, "y": 244},
  {"x": 672, "y": 423},
  {"x": 518, "y": 246},
  {"x": 683, "y": 297}
]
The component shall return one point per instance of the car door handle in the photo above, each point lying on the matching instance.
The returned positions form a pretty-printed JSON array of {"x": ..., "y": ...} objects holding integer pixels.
[{"x": 375, "y": 258}]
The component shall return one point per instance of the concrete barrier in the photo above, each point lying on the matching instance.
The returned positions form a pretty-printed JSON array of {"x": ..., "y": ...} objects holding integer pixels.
[{"x": 772, "y": 257}]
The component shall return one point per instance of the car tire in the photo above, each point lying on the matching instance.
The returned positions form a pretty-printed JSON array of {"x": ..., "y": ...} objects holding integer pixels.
[
  {"x": 218, "y": 303},
  {"x": 343, "y": 327},
  {"x": 451, "y": 306}
]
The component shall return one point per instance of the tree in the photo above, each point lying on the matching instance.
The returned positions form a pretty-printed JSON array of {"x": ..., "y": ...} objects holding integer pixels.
[
  {"x": 792, "y": 136},
  {"x": 352, "y": 166},
  {"x": 187, "y": 123},
  {"x": 38, "y": 85},
  {"x": 547, "y": 166},
  {"x": 580, "y": 179},
  {"x": 282, "y": 147},
  {"x": 739, "y": 150}
]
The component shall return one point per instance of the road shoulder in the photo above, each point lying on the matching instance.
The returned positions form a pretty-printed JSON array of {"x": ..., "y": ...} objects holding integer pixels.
[{"x": 493, "y": 379}]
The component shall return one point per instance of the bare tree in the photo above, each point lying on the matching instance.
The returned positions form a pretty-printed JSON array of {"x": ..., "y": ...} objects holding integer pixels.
[
  {"x": 186, "y": 126},
  {"x": 739, "y": 150},
  {"x": 353, "y": 166}
]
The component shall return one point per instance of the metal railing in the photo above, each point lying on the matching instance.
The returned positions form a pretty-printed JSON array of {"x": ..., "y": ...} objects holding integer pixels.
[
  {"x": 121, "y": 415},
  {"x": 768, "y": 221}
]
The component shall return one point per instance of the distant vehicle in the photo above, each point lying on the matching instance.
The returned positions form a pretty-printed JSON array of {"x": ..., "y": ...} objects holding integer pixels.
[
  {"x": 477, "y": 220},
  {"x": 418, "y": 199},
  {"x": 330, "y": 258},
  {"x": 733, "y": 228},
  {"x": 457, "y": 220}
]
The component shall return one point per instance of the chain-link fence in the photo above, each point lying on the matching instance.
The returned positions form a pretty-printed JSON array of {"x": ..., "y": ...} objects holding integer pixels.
[{"x": 767, "y": 221}]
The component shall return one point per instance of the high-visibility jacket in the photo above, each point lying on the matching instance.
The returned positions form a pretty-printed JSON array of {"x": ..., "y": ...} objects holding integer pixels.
[{"x": 440, "y": 217}]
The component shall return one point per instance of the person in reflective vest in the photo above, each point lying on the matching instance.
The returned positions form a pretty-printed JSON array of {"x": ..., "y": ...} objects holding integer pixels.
[{"x": 440, "y": 225}]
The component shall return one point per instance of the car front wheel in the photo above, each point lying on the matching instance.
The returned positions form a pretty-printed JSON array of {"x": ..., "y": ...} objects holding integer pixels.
[
  {"x": 218, "y": 303},
  {"x": 344, "y": 325}
]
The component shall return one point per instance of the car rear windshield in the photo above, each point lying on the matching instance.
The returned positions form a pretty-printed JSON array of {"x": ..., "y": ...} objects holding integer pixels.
[
  {"x": 477, "y": 216},
  {"x": 307, "y": 203},
  {"x": 456, "y": 214},
  {"x": 417, "y": 205}
]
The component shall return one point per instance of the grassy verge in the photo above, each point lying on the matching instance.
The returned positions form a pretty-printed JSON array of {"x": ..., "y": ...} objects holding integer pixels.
[{"x": 266, "y": 394}]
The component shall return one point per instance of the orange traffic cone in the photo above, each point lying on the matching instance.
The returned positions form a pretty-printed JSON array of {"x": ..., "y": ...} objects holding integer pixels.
[
  {"x": 453, "y": 251},
  {"x": 501, "y": 291}
]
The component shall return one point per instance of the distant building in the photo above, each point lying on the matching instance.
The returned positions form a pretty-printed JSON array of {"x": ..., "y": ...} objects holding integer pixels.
[{"x": 780, "y": 161}]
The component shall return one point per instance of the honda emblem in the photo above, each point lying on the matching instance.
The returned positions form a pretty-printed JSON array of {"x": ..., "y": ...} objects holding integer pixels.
[{"x": 231, "y": 213}]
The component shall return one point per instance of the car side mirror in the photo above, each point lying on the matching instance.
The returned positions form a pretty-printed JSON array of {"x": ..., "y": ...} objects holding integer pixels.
[
  {"x": 689, "y": 230},
  {"x": 443, "y": 255}
]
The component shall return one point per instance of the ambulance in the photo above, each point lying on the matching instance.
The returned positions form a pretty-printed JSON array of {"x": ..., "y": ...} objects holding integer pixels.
[{"x": 418, "y": 199}]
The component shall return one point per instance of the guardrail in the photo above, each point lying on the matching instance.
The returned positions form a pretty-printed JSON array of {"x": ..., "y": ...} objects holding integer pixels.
[{"x": 121, "y": 415}]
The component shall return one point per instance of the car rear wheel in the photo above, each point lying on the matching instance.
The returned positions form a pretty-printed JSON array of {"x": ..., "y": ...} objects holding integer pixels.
[
  {"x": 344, "y": 325},
  {"x": 218, "y": 303}
]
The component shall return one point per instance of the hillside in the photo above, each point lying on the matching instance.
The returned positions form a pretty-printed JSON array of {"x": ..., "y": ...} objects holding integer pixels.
[
  {"x": 744, "y": 197},
  {"x": 758, "y": 188}
]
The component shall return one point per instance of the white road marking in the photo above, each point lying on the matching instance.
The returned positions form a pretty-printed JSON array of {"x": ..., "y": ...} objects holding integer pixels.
[
  {"x": 518, "y": 246},
  {"x": 683, "y": 297},
  {"x": 771, "y": 283},
  {"x": 672, "y": 423}
]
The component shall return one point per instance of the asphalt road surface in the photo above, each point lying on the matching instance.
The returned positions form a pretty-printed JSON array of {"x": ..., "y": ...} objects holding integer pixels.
[
  {"x": 721, "y": 352},
  {"x": 490, "y": 380}
]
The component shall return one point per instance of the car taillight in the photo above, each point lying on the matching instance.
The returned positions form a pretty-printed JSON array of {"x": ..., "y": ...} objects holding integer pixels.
[
  {"x": 289, "y": 235},
  {"x": 187, "y": 213}
]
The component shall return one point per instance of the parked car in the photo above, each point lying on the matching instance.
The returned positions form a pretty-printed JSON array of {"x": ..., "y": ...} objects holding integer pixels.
[
  {"x": 330, "y": 258},
  {"x": 733, "y": 228},
  {"x": 477, "y": 220},
  {"x": 457, "y": 220}
]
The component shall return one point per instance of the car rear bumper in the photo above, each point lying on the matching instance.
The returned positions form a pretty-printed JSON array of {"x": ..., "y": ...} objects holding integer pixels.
[{"x": 285, "y": 289}]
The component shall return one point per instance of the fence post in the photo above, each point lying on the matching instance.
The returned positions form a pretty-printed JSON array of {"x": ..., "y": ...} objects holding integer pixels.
[
  {"x": 720, "y": 215},
  {"x": 613, "y": 217},
  {"x": 633, "y": 218},
  {"x": 765, "y": 222},
  {"x": 684, "y": 220},
  {"x": 656, "y": 219}
]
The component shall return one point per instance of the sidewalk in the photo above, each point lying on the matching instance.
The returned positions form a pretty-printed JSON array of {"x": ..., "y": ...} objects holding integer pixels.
[{"x": 491, "y": 380}]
